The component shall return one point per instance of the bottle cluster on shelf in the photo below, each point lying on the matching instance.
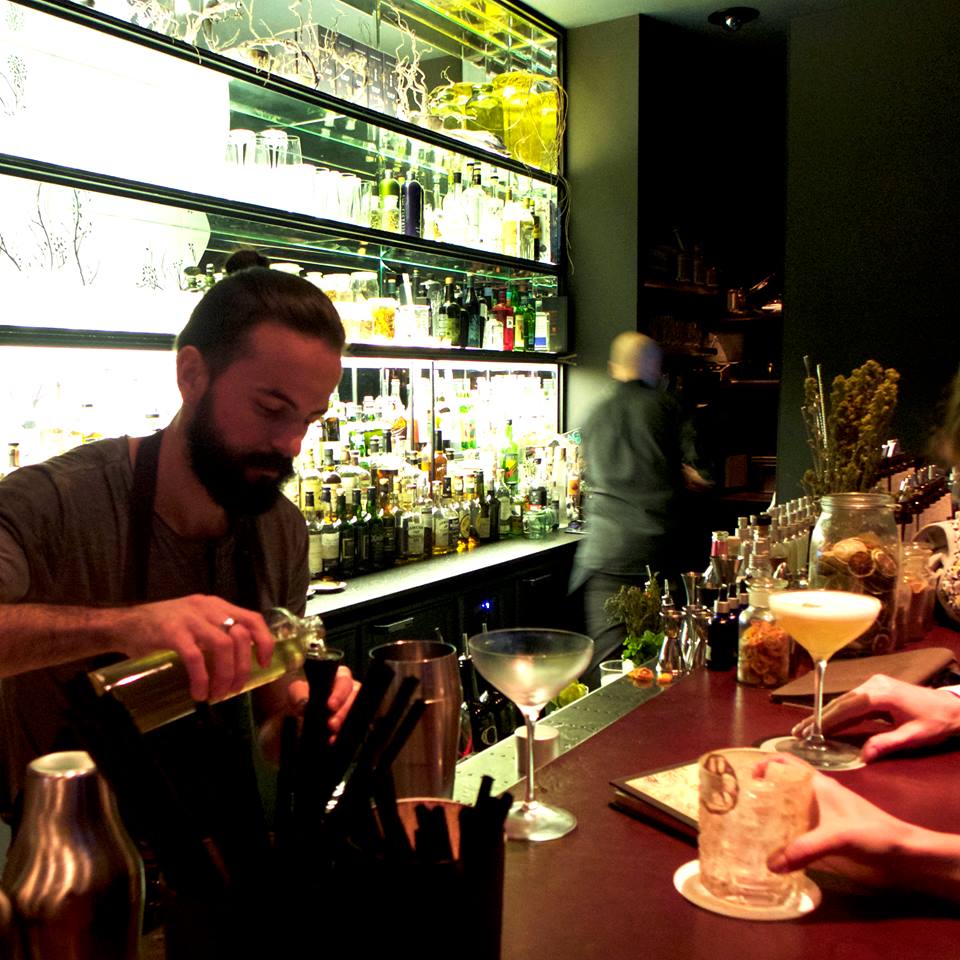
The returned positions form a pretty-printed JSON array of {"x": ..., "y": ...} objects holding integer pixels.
[
  {"x": 467, "y": 203},
  {"x": 412, "y": 310},
  {"x": 369, "y": 508},
  {"x": 727, "y": 622},
  {"x": 444, "y": 313}
]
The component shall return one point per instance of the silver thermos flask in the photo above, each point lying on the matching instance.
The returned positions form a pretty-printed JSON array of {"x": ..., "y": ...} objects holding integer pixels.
[{"x": 73, "y": 875}]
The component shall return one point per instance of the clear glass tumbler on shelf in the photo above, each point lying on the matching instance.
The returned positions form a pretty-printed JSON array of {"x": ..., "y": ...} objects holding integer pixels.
[{"x": 855, "y": 547}]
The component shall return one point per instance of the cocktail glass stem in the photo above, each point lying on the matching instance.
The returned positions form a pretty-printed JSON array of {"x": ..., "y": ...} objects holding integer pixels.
[
  {"x": 815, "y": 739},
  {"x": 530, "y": 721}
]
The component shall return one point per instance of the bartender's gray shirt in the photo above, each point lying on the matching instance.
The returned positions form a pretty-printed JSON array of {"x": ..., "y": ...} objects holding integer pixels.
[{"x": 63, "y": 540}]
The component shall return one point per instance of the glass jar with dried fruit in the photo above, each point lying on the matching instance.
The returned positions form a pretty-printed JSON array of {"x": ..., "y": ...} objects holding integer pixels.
[{"x": 855, "y": 546}]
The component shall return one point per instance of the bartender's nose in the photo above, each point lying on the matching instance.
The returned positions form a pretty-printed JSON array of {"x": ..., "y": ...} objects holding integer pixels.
[{"x": 288, "y": 442}]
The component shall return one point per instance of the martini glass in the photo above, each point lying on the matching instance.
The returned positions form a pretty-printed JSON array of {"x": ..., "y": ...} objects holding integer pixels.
[
  {"x": 823, "y": 621},
  {"x": 530, "y": 666}
]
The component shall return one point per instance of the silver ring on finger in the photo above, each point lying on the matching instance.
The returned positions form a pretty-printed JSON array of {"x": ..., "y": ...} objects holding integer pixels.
[{"x": 228, "y": 624}]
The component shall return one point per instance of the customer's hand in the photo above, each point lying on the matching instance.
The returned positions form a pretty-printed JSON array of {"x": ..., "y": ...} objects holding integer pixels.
[
  {"x": 920, "y": 716},
  {"x": 856, "y": 839},
  {"x": 214, "y": 638}
]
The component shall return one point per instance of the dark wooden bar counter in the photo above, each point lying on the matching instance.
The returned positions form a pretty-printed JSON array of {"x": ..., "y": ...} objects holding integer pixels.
[{"x": 606, "y": 890}]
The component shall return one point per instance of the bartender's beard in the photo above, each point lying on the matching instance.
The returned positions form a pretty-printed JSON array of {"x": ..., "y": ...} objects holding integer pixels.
[{"x": 223, "y": 471}]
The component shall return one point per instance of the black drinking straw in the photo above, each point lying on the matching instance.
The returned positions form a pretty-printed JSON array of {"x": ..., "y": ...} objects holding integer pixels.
[
  {"x": 355, "y": 729},
  {"x": 354, "y": 804}
]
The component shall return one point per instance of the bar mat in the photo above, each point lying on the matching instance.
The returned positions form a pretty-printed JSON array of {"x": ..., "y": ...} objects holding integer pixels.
[{"x": 912, "y": 666}]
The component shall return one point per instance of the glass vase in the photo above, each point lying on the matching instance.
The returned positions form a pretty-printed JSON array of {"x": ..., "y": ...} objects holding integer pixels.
[{"x": 855, "y": 546}]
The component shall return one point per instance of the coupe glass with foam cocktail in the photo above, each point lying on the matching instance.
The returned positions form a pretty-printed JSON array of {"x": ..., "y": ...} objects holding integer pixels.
[
  {"x": 823, "y": 621},
  {"x": 530, "y": 666}
]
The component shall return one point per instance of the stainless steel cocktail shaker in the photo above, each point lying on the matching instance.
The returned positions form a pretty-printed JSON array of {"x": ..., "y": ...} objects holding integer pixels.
[{"x": 73, "y": 875}]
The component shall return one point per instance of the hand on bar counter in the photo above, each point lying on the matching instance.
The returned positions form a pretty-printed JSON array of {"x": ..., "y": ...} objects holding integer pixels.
[
  {"x": 920, "y": 716},
  {"x": 856, "y": 839}
]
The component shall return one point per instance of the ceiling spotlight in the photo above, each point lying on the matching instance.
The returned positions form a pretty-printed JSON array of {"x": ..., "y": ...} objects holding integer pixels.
[{"x": 733, "y": 18}]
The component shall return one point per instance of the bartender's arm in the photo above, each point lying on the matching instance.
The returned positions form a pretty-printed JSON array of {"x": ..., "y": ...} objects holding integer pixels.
[{"x": 34, "y": 635}]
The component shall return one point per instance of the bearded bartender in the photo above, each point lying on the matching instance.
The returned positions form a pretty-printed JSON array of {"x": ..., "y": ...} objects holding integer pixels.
[{"x": 178, "y": 541}]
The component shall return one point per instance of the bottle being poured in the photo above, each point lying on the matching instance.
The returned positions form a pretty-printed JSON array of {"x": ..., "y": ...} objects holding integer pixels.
[{"x": 155, "y": 689}]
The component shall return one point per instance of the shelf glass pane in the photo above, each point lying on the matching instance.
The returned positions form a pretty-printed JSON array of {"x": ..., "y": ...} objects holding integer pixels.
[
  {"x": 179, "y": 125},
  {"x": 469, "y": 68},
  {"x": 75, "y": 259}
]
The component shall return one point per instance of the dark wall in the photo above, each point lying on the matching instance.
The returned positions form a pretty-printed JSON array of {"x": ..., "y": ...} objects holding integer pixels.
[
  {"x": 712, "y": 146},
  {"x": 873, "y": 208},
  {"x": 668, "y": 129},
  {"x": 602, "y": 72}
]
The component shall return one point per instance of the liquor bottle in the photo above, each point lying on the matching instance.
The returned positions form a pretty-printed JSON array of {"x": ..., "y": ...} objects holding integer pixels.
[
  {"x": 504, "y": 314},
  {"x": 330, "y": 478},
  {"x": 471, "y": 309},
  {"x": 510, "y": 458},
  {"x": 518, "y": 318},
  {"x": 411, "y": 205},
  {"x": 360, "y": 524},
  {"x": 439, "y": 470},
  {"x": 348, "y": 543},
  {"x": 529, "y": 320},
  {"x": 472, "y": 205},
  {"x": 373, "y": 532},
  {"x": 510, "y": 226},
  {"x": 526, "y": 230},
  {"x": 446, "y": 520},
  {"x": 491, "y": 215},
  {"x": 410, "y": 532},
  {"x": 309, "y": 476},
  {"x": 488, "y": 513},
  {"x": 389, "y": 515},
  {"x": 329, "y": 537},
  {"x": 714, "y": 576},
  {"x": 425, "y": 505},
  {"x": 155, "y": 688},
  {"x": 493, "y": 330},
  {"x": 481, "y": 718},
  {"x": 502, "y": 494},
  {"x": 536, "y": 234},
  {"x": 449, "y": 328},
  {"x": 721, "y": 644},
  {"x": 470, "y": 512},
  {"x": 314, "y": 547},
  {"x": 390, "y": 202},
  {"x": 453, "y": 220}
]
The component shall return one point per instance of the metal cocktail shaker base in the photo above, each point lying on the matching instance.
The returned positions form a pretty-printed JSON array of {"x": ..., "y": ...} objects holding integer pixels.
[{"x": 73, "y": 874}]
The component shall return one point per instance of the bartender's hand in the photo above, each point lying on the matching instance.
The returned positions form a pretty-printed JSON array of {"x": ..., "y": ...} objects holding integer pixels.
[
  {"x": 920, "y": 716},
  {"x": 294, "y": 702},
  {"x": 341, "y": 698},
  {"x": 856, "y": 839},
  {"x": 213, "y": 638}
]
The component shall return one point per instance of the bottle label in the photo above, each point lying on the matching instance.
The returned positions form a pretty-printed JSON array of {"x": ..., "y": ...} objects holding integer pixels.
[
  {"x": 440, "y": 533},
  {"x": 483, "y": 527},
  {"x": 330, "y": 546},
  {"x": 414, "y": 540},
  {"x": 315, "y": 554}
]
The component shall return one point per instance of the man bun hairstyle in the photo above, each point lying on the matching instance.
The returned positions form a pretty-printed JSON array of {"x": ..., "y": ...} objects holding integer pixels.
[
  {"x": 244, "y": 299},
  {"x": 243, "y": 258}
]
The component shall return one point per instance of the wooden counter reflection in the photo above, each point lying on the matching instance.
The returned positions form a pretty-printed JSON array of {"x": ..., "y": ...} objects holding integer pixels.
[{"x": 606, "y": 890}]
